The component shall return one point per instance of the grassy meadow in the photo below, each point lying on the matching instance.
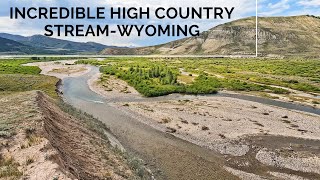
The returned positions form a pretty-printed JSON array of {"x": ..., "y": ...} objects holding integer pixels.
[
  {"x": 162, "y": 76},
  {"x": 17, "y": 78}
]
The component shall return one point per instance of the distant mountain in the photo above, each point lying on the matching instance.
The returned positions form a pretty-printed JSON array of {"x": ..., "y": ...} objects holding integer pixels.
[
  {"x": 56, "y": 46},
  {"x": 8, "y": 46},
  {"x": 296, "y": 35},
  {"x": 17, "y": 38}
]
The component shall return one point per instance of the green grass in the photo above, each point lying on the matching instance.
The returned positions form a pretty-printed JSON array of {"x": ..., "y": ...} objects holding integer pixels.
[
  {"x": 10, "y": 66},
  {"x": 303, "y": 85},
  {"x": 298, "y": 74},
  {"x": 6, "y": 130},
  {"x": 21, "y": 83},
  {"x": 17, "y": 78},
  {"x": 158, "y": 76},
  {"x": 13, "y": 66}
]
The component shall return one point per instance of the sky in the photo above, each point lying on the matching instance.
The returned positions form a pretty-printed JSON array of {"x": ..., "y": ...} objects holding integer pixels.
[{"x": 243, "y": 8}]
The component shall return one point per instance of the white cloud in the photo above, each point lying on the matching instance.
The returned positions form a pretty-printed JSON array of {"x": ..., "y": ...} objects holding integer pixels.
[
  {"x": 269, "y": 9},
  {"x": 8, "y": 25},
  {"x": 29, "y": 27},
  {"x": 314, "y": 3},
  {"x": 283, "y": 4}
]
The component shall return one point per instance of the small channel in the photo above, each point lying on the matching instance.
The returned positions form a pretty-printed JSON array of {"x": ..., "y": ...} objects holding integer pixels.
[
  {"x": 271, "y": 102},
  {"x": 166, "y": 155},
  {"x": 169, "y": 157},
  {"x": 88, "y": 95}
]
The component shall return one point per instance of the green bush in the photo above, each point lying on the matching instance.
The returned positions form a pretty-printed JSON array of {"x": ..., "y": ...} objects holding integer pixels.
[
  {"x": 158, "y": 76},
  {"x": 152, "y": 81},
  {"x": 204, "y": 85}
]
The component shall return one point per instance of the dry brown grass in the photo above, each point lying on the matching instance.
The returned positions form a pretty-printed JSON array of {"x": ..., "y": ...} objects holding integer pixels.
[
  {"x": 186, "y": 79},
  {"x": 68, "y": 70}
]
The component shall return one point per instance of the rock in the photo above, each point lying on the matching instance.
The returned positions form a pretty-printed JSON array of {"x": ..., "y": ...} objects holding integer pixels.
[
  {"x": 171, "y": 130},
  {"x": 222, "y": 136},
  {"x": 205, "y": 128},
  {"x": 185, "y": 122}
]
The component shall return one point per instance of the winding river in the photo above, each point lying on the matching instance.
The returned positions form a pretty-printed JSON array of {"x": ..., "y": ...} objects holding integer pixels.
[{"x": 167, "y": 156}]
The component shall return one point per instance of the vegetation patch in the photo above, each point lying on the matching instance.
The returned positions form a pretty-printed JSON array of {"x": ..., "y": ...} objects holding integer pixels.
[
  {"x": 13, "y": 66},
  {"x": 159, "y": 76},
  {"x": 9, "y": 168},
  {"x": 21, "y": 83},
  {"x": 17, "y": 78}
]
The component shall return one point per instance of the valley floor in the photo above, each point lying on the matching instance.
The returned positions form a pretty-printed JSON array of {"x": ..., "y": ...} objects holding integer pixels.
[
  {"x": 256, "y": 141},
  {"x": 242, "y": 131}
]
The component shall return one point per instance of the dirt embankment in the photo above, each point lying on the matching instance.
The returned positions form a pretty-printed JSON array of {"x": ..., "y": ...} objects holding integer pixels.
[
  {"x": 83, "y": 152},
  {"x": 45, "y": 139}
]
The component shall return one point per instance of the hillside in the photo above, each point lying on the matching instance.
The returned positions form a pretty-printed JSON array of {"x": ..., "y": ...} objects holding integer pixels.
[
  {"x": 43, "y": 138},
  {"x": 55, "y": 46},
  {"x": 12, "y": 47},
  {"x": 296, "y": 35}
]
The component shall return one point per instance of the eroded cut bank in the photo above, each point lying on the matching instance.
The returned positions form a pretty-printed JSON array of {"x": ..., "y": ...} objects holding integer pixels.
[{"x": 42, "y": 138}]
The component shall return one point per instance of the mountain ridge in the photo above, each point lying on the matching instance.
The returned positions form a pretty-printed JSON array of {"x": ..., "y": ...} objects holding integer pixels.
[
  {"x": 56, "y": 46},
  {"x": 10, "y": 47},
  {"x": 292, "y": 35},
  {"x": 278, "y": 36}
]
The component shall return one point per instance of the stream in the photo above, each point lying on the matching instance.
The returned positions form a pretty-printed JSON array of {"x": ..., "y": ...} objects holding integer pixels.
[{"x": 166, "y": 155}]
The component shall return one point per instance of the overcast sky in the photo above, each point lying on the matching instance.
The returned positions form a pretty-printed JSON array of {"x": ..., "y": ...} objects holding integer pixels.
[{"x": 243, "y": 8}]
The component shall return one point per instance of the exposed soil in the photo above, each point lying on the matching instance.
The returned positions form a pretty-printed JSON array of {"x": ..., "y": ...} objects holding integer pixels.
[
  {"x": 199, "y": 118},
  {"x": 167, "y": 156},
  {"x": 248, "y": 135},
  {"x": 223, "y": 125},
  {"x": 249, "y": 140},
  {"x": 110, "y": 86},
  {"x": 61, "y": 69},
  {"x": 85, "y": 154},
  {"x": 257, "y": 141},
  {"x": 25, "y": 151},
  {"x": 45, "y": 142},
  {"x": 278, "y": 156}
]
